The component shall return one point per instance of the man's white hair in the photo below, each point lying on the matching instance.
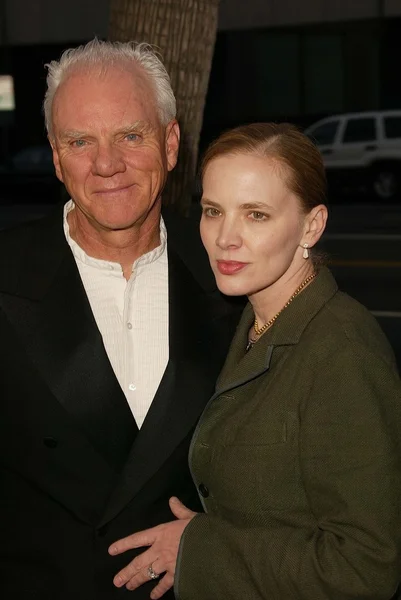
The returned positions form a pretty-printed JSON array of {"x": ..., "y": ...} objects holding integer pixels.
[{"x": 101, "y": 54}]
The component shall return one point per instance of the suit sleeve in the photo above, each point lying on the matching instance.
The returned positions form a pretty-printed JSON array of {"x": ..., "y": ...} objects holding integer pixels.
[{"x": 350, "y": 452}]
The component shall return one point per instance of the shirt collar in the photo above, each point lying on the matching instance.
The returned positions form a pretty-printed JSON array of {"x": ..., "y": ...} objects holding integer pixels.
[{"x": 81, "y": 256}]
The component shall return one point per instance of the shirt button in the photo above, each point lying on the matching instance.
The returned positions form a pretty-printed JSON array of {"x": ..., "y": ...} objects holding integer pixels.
[
  {"x": 203, "y": 490},
  {"x": 132, "y": 387},
  {"x": 129, "y": 325}
]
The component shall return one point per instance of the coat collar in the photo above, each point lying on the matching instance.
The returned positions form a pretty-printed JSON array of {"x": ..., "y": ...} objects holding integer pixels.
[{"x": 242, "y": 366}]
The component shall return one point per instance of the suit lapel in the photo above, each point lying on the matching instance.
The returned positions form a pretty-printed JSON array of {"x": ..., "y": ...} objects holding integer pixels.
[
  {"x": 52, "y": 316},
  {"x": 45, "y": 302},
  {"x": 198, "y": 341}
]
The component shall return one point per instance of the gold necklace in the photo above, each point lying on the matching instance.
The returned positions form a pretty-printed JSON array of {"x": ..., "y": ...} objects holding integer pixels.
[{"x": 259, "y": 330}]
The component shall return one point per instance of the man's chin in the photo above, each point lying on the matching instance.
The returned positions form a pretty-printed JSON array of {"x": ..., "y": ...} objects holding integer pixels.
[{"x": 119, "y": 225}]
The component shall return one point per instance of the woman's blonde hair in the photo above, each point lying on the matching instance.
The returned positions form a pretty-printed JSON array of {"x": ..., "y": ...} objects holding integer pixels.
[{"x": 287, "y": 147}]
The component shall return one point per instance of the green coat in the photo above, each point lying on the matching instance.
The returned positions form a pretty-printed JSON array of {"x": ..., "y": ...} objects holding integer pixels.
[{"x": 297, "y": 461}]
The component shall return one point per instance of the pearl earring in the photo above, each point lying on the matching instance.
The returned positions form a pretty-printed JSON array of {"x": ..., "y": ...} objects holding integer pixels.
[{"x": 305, "y": 253}]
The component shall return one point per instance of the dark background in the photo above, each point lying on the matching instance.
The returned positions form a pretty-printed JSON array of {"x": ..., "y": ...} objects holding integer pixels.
[{"x": 280, "y": 60}]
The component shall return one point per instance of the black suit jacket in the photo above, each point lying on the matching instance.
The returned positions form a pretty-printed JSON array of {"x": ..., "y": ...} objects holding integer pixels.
[{"x": 64, "y": 497}]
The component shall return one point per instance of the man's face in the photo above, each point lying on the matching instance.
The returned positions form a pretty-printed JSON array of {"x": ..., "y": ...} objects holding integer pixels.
[{"x": 109, "y": 148}]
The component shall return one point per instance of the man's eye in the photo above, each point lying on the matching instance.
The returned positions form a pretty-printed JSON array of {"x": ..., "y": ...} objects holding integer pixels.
[
  {"x": 132, "y": 137},
  {"x": 78, "y": 143}
]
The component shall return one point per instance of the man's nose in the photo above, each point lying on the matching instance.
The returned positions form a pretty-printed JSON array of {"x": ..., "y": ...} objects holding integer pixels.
[
  {"x": 107, "y": 161},
  {"x": 229, "y": 235}
]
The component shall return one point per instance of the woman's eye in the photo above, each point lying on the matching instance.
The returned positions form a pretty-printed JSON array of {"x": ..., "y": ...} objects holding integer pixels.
[
  {"x": 211, "y": 212},
  {"x": 258, "y": 216}
]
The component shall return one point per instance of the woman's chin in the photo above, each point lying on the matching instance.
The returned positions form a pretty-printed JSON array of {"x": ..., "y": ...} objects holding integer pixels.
[{"x": 231, "y": 288}]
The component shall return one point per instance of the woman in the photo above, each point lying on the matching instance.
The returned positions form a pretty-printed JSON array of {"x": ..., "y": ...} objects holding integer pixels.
[{"x": 297, "y": 455}]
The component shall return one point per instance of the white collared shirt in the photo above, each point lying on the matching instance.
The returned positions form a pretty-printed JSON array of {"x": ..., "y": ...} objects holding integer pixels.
[{"x": 132, "y": 317}]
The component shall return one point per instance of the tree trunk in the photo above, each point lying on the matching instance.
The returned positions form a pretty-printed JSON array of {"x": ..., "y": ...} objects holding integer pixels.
[{"x": 184, "y": 31}]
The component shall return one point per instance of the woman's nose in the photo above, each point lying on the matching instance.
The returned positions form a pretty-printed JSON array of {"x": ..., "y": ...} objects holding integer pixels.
[{"x": 229, "y": 235}]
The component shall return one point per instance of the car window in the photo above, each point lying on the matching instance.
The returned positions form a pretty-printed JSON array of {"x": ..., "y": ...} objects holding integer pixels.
[
  {"x": 392, "y": 127},
  {"x": 325, "y": 133},
  {"x": 360, "y": 130}
]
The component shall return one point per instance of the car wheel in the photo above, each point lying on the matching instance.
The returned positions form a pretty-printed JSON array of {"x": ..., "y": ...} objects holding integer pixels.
[{"x": 386, "y": 183}]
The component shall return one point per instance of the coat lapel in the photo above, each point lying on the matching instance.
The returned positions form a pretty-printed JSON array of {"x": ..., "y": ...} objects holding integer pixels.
[
  {"x": 198, "y": 341},
  {"x": 241, "y": 366},
  {"x": 48, "y": 307}
]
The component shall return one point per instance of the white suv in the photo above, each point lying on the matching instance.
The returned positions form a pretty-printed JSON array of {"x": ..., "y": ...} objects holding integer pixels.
[{"x": 362, "y": 151}]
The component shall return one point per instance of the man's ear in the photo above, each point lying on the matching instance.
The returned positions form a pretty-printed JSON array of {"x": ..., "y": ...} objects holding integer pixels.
[
  {"x": 172, "y": 143},
  {"x": 315, "y": 224},
  {"x": 56, "y": 158}
]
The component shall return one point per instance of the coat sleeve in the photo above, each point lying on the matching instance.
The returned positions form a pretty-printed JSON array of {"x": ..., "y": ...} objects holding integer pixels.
[{"x": 350, "y": 449}]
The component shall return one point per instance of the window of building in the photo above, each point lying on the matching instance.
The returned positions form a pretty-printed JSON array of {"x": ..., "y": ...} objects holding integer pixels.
[
  {"x": 322, "y": 73},
  {"x": 276, "y": 73}
]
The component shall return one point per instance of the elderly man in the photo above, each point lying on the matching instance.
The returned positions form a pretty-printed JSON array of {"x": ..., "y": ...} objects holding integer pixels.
[{"x": 110, "y": 345}]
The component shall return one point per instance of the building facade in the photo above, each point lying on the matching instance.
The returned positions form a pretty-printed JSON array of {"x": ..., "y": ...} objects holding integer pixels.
[
  {"x": 274, "y": 59},
  {"x": 57, "y": 21}
]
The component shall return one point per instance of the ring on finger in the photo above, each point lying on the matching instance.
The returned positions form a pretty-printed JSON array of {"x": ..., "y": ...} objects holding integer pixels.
[{"x": 151, "y": 573}]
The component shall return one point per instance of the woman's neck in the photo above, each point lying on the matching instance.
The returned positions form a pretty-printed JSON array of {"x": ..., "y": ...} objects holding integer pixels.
[{"x": 269, "y": 302}]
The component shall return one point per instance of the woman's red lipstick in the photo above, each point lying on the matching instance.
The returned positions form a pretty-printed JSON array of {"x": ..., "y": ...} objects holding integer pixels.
[{"x": 230, "y": 267}]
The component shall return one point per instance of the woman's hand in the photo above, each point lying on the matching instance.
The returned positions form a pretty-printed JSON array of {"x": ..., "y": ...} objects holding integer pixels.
[{"x": 161, "y": 557}]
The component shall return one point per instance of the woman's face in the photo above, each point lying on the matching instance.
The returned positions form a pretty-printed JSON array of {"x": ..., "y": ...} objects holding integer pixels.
[{"x": 252, "y": 225}]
